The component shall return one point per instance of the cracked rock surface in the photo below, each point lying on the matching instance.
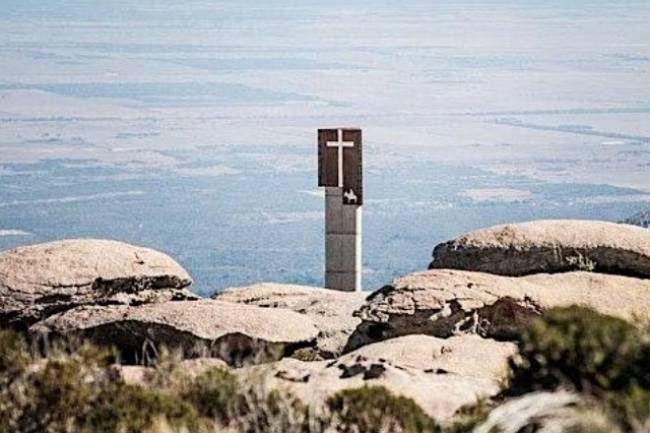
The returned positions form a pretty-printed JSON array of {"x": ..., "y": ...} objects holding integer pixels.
[
  {"x": 39, "y": 280},
  {"x": 314, "y": 382},
  {"x": 549, "y": 246},
  {"x": 446, "y": 302},
  {"x": 238, "y": 334},
  {"x": 465, "y": 355},
  {"x": 331, "y": 311}
]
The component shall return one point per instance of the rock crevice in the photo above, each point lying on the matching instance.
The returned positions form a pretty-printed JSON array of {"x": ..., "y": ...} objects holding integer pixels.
[
  {"x": 549, "y": 246},
  {"x": 444, "y": 303},
  {"x": 40, "y": 280}
]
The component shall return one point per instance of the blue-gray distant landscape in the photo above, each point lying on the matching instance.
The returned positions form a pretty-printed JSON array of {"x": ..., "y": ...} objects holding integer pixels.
[{"x": 190, "y": 126}]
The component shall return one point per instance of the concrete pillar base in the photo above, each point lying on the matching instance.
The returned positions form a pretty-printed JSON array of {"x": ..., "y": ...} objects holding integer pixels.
[{"x": 342, "y": 243}]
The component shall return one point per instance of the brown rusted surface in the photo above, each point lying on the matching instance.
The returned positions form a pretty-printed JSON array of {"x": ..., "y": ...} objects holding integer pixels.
[{"x": 328, "y": 163}]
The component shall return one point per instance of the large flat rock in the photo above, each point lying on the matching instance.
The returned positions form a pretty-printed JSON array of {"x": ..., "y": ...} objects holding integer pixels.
[
  {"x": 439, "y": 374},
  {"x": 439, "y": 393},
  {"x": 549, "y": 246},
  {"x": 444, "y": 303},
  {"x": 43, "y": 279},
  {"x": 464, "y": 355},
  {"x": 238, "y": 334},
  {"x": 330, "y": 310}
]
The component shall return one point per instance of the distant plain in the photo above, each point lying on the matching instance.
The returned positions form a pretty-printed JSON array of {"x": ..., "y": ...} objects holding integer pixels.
[{"x": 189, "y": 127}]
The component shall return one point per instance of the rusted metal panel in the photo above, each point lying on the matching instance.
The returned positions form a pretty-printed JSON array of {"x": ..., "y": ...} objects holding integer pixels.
[
  {"x": 327, "y": 158},
  {"x": 352, "y": 167},
  {"x": 340, "y": 155}
]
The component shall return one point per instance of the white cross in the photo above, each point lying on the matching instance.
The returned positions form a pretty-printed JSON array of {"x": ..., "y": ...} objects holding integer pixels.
[{"x": 340, "y": 144}]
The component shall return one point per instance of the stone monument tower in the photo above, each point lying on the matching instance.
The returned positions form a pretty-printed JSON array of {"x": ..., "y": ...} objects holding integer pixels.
[{"x": 340, "y": 173}]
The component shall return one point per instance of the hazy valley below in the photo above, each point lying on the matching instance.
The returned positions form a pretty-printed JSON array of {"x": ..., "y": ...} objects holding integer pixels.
[{"x": 191, "y": 128}]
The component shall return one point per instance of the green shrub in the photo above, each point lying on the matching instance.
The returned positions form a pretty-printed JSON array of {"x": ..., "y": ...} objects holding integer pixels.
[
  {"x": 376, "y": 410},
  {"x": 46, "y": 394},
  {"x": 580, "y": 348},
  {"x": 167, "y": 371},
  {"x": 264, "y": 410},
  {"x": 132, "y": 409},
  {"x": 468, "y": 417},
  {"x": 245, "y": 407},
  {"x": 74, "y": 390},
  {"x": 215, "y": 394},
  {"x": 14, "y": 357},
  {"x": 630, "y": 409},
  {"x": 54, "y": 398}
]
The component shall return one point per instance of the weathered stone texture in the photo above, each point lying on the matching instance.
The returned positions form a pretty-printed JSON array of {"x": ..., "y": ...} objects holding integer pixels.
[
  {"x": 238, "y": 334},
  {"x": 39, "y": 280},
  {"x": 549, "y": 246}
]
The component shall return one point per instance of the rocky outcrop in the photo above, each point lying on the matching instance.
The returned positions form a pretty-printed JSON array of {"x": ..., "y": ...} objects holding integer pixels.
[
  {"x": 331, "y": 311},
  {"x": 444, "y": 303},
  {"x": 238, "y": 334},
  {"x": 464, "y": 355},
  {"x": 441, "y": 375},
  {"x": 549, "y": 246},
  {"x": 462, "y": 369},
  {"x": 40, "y": 280},
  {"x": 314, "y": 382}
]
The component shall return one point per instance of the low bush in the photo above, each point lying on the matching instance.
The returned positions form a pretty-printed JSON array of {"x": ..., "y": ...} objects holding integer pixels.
[
  {"x": 77, "y": 392},
  {"x": 581, "y": 349},
  {"x": 14, "y": 357},
  {"x": 604, "y": 358},
  {"x": 132, "y": 409},
  {"x": 215, "y": 394},
  {"x": 630, "y": 409},
  {"x": 468, "y": 417},
  {"x": 374, "y": 409},
  {"x": 273, "y": 411}
]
